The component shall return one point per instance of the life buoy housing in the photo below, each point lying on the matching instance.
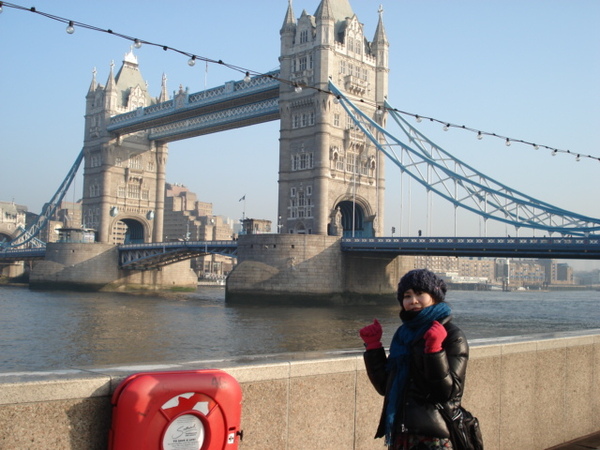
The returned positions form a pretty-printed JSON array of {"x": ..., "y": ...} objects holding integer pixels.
[{"x": 183, "y": 410}]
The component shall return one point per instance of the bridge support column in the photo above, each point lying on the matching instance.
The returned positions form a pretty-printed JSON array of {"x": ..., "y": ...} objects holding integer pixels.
[
  {"x": 303, "y": 268},
  {"x": 162, "y": 152},
  {"x": 95, "y": 267}
]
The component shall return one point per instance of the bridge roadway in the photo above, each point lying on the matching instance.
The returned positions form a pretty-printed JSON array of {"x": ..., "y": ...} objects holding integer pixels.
[{"x": 154, "y": 255}]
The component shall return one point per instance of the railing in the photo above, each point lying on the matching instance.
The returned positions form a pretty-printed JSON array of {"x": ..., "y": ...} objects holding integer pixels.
[{"x": 568, "y": 248}]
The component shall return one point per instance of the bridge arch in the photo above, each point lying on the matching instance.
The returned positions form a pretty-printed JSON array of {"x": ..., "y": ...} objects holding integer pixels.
[
  {"x": 130, "y": 230},
  {"x": 352, "y": 217}
]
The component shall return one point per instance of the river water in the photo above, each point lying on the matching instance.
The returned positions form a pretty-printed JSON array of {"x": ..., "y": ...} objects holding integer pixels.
[{"x": 51, "y": 330}]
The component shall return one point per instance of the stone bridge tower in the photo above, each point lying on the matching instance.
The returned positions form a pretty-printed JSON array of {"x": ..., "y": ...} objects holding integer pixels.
[
  {"x": 124, "y": 177},
  {"x": 331, "y": 178}
]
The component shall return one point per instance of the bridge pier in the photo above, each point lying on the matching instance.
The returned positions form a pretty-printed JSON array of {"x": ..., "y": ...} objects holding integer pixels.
[
  {"x": 305, "y": 268},
  {"x": 95, "y": 267}
]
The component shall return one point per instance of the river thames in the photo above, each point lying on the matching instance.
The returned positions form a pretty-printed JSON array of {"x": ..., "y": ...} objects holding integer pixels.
[{"x": 54, "y": 330}]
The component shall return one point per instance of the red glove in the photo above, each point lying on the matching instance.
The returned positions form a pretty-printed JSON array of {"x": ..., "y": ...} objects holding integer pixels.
[
  {"x": 371, "y": 334},
  {"x": 434, "y": 337}
]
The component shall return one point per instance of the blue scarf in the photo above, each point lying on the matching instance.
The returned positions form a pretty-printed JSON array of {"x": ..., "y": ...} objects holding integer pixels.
[{"x": 399, "y": 358}]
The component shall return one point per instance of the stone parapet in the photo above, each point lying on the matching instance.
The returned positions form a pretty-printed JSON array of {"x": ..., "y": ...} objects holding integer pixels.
[{"x": 529, "y": 394}]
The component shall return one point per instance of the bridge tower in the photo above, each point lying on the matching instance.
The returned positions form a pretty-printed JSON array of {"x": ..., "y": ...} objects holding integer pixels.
[
  {"x": 124, "y": 177},
  {"x": 331, "y": 179}
]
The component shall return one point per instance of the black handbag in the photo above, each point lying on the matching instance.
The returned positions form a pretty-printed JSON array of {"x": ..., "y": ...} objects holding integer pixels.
[{"x": 465, "y": 432}]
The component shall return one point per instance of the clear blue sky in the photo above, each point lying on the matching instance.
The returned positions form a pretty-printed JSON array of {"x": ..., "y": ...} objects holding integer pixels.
[{"x": 525, "y": 69}]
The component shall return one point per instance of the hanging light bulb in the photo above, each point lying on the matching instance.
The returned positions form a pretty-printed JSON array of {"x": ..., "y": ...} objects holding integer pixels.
[
  {"x": 336, "y": 99},
  {"x": 247, "y": 78},
  {"x": 578, "y": 158},
  {"x": 417, "y": 118},
  {"x": 446, "y": 127},
  {"x": 192, "y": 61},
  {"x": 298, "y": 88},
  {"x": 379, "y": 111},
  {"x": 536, "y": 147},
  {"x": 507, "y": 142},
  {"x": 0, "y": 7},
  {"x": 479, "y": 135},
  {"x": 554, "y": 152},
  {"x": 70, "y": 28},
  {"x": 137, "y": 43}
]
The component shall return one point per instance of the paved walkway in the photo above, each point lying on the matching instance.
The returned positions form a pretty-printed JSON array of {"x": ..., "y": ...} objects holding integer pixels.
[{"x": 587, "y": 443}]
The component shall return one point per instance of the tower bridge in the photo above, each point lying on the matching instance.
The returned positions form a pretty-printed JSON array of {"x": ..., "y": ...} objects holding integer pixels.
[{"x": 334, "y": 142}]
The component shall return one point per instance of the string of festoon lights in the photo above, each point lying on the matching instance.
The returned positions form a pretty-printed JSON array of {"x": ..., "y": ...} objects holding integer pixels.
[{"x": 193, "y": 58}]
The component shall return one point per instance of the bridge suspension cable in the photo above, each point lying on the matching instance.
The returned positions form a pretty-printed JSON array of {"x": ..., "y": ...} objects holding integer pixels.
[
  {"x": 460, "y": 184},
  {"x": 28, "y": 236}
]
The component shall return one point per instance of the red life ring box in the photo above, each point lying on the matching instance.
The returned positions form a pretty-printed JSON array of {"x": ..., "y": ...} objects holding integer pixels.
[{"x": 180, "y": 410}]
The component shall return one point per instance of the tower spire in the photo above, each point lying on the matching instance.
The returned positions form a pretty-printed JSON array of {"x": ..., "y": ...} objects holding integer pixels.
[
  {"x": 164, "y": 95},
  {"x": 290, "y": 19},
  {"x": 380, "y": 36}
]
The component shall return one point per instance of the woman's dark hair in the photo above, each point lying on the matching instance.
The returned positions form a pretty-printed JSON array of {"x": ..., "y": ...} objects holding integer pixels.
[{"x": 422, "y": 280}]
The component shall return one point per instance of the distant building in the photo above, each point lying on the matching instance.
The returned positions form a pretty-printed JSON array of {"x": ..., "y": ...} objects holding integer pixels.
[
  {"x": 256, "y": 226},
  {"x": 188, "y": 219},
  {"x": 12, "y": 216}
]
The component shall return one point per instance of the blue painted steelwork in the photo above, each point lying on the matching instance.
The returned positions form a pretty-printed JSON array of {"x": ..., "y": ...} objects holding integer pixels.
[
  {"x": 232, "y": 105},
  {"x": 27, "y": 237},
  {"x": 545, "y": 248},
  {"x": 450, "y": 178},
  {"x": 22, "y": 254},
  {"x": 153, "y": 256}
]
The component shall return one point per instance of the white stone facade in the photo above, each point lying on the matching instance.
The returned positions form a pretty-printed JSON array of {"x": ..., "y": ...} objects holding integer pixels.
[{"x": 328, "y": 171}]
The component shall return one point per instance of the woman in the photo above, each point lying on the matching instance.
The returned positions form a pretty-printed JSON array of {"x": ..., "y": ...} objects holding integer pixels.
[{"x": 425, "y": 369}]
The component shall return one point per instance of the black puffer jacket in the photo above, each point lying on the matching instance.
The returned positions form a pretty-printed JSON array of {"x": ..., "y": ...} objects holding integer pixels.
[{"x": 434, "y": 378}]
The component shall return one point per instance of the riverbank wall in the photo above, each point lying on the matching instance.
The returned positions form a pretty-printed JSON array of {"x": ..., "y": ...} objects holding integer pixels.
[{"x": 529, "y": 393}]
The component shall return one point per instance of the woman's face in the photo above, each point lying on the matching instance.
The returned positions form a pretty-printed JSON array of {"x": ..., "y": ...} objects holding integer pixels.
[{"x": 416, "y": 301}]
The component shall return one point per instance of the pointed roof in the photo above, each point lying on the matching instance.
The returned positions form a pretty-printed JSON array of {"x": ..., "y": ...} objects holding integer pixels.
[
  {"x": 290, "y": 19},
  {"x": 94, "y": 83},
  {"x": 110, "y": 84},
  {"x": 324, "y": 11},
  {"x": 129, "y": 76},
  {"x": 164, "y": 96},
  {"x": 339, "y": 10},
  {"x": 380, "y": 35}
]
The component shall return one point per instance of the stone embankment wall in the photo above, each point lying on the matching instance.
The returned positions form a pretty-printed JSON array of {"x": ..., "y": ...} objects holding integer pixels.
[{"x": 528, "y": 395}]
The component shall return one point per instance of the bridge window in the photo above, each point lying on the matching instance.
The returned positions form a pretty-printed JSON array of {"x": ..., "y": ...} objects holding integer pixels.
[
  {"x": 96, "y": 160},
  {"x": 145, "y": 194},
  {"x": 121, "y": 191},
  {"x": 118, "y": 161},
  {"x": 303, "y": 63},
  {"x": 303, "y": 36},
  {"x": 94, "y": 190},
  {"x": 151, "y": 166},
  {"x": 343, "y": 67},
  {"x": 311, "y": 118},
  {"x": 294, "y": 65},
  {"x": 133, "y": 191},
  {"x": 351, "y": 163},
  {"x": 135, "y": 162},
  {"x": 310, "y": 62},
  {"x": 303, "y": 161},
  {"x": 292, "y": 192},
  {"x": 336, "y": 120}
]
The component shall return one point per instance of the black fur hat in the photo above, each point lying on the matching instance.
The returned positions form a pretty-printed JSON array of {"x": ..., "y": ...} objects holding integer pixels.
[{"x": 422, "y": 280}]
